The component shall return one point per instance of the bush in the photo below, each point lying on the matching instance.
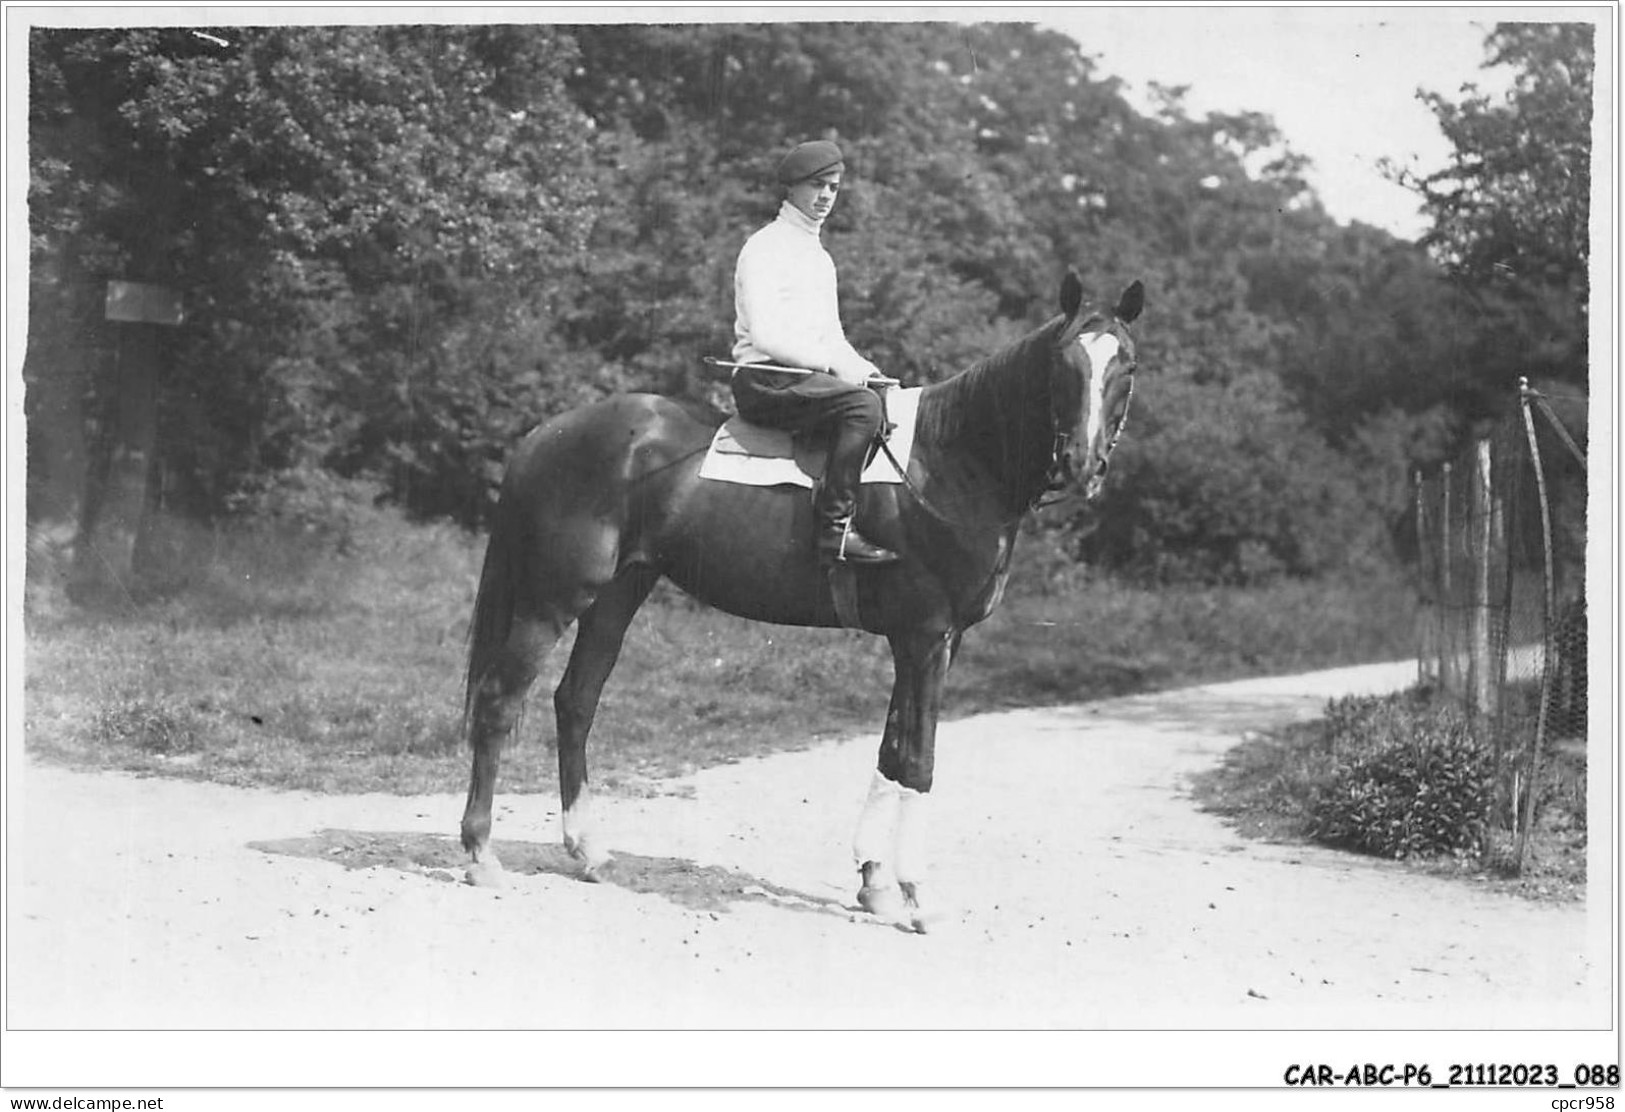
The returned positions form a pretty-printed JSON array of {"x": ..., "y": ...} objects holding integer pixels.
[
  {"x": 318, "y": 503},
  {"x": 1224, "y": 484},
  {"x": 1407, "y": 781}
]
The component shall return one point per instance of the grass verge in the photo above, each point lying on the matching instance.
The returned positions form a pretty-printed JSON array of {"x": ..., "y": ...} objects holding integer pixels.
[
  {"x": 1290, "y": 786},
  {"x": 272, "y": 660}
]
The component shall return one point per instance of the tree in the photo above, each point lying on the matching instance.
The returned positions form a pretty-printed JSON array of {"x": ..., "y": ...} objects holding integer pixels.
[
  {"x": 354, "y": 214},
  {"x": 689, "y": 119},
  {"x": 401, "y": 246},
  {"x": 1226, "y": 483},
  {"x": 1379, "y": 327},
  {"x": 1511, "y": 211}
]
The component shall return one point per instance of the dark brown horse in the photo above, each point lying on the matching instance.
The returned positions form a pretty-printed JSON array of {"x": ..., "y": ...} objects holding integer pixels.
[{"x": 598, "y": 504}]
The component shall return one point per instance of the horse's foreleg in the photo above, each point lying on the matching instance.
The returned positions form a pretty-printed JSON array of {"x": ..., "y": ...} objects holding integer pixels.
[
  {"x": 889, "y": 846},
  {"x": 497, "y": 699},
  {"x": 600, "y": 633},
  {"x": 875, "y": 847}
]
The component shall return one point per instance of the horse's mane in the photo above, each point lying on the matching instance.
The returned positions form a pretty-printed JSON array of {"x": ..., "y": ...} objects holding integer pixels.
[{"x": 948, "y": 407}]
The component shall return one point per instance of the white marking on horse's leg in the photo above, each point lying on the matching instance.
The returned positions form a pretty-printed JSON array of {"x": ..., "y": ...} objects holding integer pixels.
[
  {"x": 911, "y": 821},
  {"x": 876, "y": 839},
  {"x": 877, "y": 851},
  {"x": 912, "y": 817},
  {"x": 579, "y": 837}
]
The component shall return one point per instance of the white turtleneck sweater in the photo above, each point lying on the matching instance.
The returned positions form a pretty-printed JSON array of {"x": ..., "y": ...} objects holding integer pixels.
[{"x": 785, "y": 308}]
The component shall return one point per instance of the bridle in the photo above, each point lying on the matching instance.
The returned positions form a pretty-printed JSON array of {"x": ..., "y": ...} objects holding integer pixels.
[
  {"x": 1059, "y": 474},
  {"x": 1060, "y": 477},
  {"x": 1096, "y": 481}
]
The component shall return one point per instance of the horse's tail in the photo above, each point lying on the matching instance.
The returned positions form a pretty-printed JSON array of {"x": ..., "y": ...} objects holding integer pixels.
[{"x": 494, "y": 603}]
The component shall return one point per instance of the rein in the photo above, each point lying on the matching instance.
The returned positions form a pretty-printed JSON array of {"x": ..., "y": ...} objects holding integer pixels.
[{"x": 925, "y": 503}]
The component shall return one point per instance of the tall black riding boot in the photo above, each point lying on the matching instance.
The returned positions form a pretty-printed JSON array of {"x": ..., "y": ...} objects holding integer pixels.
[{"x": 837, "y": 500}]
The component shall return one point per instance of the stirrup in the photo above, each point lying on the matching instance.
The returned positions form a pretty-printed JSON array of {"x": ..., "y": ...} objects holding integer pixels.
[{"x": 855, "y": 548}]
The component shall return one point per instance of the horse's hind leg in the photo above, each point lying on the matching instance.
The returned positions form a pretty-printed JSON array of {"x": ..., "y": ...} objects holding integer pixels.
[
  {"x": 600, "y": 632},
  {"x": 495, "y": 704}
]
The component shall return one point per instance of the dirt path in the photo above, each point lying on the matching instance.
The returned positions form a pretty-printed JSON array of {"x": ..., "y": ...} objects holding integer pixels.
[{"x": 1079, "y": 888}]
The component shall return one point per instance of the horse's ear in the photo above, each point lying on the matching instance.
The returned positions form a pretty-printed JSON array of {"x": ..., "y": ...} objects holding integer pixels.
[
  {"x": 1132, "y": 302},
  {"x": 1071, "y": 294}
]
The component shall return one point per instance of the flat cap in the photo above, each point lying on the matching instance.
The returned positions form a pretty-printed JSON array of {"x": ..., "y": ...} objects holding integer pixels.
[{"x": 809, "y": 159}]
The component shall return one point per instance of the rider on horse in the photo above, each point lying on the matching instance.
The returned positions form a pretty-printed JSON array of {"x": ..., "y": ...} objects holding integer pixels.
[{"x": 786, "y": 313}]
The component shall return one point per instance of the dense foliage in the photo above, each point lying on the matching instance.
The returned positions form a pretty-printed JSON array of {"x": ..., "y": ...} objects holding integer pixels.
[
  {"x": 400, "y": 246},
  {"x": 1511, "y": 212},
  {"x": 1404, "y": 782},
  {"x": 1400, "y": 776}
]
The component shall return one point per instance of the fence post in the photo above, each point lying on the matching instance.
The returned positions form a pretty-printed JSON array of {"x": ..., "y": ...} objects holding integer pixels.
[
  {"x": 1451, "y": 664},
  {"x": 1548, "y": 653},
  {"x": 1428, "y": 666},
  {"x": 1444, "y": 528},
  {"x": 1481, "y": 682}
]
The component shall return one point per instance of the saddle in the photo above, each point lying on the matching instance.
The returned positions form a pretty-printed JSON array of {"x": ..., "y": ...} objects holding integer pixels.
[
  {"x": 808, "y": 450},
  {"x": 755, "y": 455}
]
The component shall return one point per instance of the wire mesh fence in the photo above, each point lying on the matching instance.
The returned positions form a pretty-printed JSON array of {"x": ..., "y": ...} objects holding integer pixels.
[{"x": 1502, "y": 575}]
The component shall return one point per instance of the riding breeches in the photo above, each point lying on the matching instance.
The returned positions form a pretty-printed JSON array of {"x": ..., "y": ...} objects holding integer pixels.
[{"x": 809, "y": 403}]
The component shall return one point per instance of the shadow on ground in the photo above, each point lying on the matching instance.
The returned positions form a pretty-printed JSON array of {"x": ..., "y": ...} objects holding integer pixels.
[
  {"x": 699, "y": 887},
  {"x": 1200, "y": 711}
]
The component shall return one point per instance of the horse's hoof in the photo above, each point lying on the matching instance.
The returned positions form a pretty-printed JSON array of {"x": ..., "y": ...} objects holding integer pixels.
[
  {"x": 919, "y": 920},
  {"x": 884, "y": 903},
  {"x": 922, "y": 922},
  {"x": 485, "y": 874},
  {"x": 591, "y": 863}
]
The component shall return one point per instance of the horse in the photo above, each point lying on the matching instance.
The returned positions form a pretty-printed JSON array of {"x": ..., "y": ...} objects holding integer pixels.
[{"x": 599, "y": 503}]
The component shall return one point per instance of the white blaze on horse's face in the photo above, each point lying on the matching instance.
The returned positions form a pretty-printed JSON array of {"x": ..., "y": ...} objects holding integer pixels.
[{"x": 1100, "y": 349}]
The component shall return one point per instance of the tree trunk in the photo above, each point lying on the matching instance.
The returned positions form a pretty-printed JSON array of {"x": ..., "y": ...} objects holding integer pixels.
[{"x": 116, "y": 481}]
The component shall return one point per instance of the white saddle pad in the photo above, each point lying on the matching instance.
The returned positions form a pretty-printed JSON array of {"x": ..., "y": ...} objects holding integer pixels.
[{"x": 745, "y": 453}]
